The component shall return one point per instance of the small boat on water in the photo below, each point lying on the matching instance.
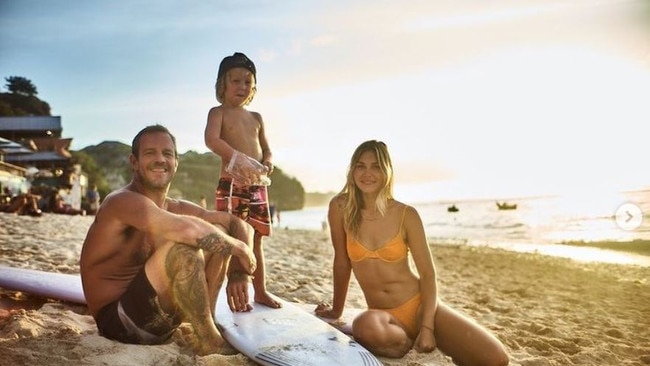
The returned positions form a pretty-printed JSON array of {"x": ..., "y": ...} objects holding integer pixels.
[
  {"x": 452, "y": 208},
  {"x": 506, "y": 206}
]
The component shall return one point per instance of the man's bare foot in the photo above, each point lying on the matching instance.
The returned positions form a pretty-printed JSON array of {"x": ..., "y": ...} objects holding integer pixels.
[
  {"x": 265, "y": 299},
  {"x": 223, "y": 348}
]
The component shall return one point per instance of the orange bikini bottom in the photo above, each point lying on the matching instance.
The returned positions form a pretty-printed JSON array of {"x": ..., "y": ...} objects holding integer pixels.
[{"x": 407, "y": 314}]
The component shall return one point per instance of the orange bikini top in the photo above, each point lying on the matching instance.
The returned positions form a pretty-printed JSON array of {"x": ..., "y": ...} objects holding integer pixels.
[{"x": 393, "y": 251}]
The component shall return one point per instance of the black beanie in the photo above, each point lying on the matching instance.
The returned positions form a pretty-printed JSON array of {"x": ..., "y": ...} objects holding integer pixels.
[{"x": 238, "y": 59}]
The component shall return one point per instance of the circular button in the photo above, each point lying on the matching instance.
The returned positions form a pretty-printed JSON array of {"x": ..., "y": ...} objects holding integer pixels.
[{"x": 629, "y": 216}]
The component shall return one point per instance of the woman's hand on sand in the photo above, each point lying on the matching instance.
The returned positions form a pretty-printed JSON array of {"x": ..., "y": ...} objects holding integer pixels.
[
  {"x": 325, "y": 310},
  {"x": 425, "y": 341}
]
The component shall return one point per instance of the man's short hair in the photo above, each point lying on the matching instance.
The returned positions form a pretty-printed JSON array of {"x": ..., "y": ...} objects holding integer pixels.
[{"x": 135, "y": 145}]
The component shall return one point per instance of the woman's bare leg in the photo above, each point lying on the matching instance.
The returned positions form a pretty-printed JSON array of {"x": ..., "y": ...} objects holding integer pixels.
[
  {"x": 466, "y": 342},
  {"x": 379, "y": 332}
]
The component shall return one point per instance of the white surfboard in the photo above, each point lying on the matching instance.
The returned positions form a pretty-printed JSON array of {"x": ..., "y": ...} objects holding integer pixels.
[
  {"x": 344, "y": 323},
  {"x": 52, "y": 285},
  {"x": 288, "y": 336}
]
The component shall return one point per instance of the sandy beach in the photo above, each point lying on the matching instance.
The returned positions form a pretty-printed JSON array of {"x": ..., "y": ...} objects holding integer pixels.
[{"x": 546, "y": 310}]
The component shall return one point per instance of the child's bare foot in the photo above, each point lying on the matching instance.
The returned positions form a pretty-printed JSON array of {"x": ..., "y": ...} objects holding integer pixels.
[{"x": 265, "y": 299}]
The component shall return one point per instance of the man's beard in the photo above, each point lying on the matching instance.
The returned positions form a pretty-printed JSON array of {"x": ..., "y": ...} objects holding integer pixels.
[{"x": 153, "y": 185}]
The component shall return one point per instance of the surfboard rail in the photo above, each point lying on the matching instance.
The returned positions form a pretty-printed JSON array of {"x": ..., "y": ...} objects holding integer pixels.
[{"x": 54, "y": 285}]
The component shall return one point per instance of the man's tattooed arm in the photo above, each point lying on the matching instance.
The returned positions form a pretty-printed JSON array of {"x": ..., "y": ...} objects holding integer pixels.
[
  {"x": 215, "y": 242},
  {"x": 239, "y": 275}
]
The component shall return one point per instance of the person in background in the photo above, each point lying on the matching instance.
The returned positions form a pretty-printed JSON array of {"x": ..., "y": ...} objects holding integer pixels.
[
  {"x": 7, "y": 194},
  {"x": 58, "y": 205},
  {"x": 22, "y": 204},
  {"x": 373, "y": 234},
  {"x": 232, "y": 131},
  {"x": 272, "y": 212},
  {"x": 93, "y": 199},
  {"x": 150, "y": 262}
]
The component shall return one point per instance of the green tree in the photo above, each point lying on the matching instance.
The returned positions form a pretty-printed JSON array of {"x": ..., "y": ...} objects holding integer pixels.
[
  {"x": 197, "y": 176},
  {"x": 21, "y": 99},
  {"x": 5, "y": 108},
  {"x": 21, "y": 85},
  {"x": 287, "y": 192}
]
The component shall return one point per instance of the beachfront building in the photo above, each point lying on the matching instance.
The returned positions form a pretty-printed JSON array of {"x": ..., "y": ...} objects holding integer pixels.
[
  {"x": 12, "y": 177},
  {"x": 34, "y": 143},
  {"x": 24, "y": 128},
  {"x": 40, "y": 142}
]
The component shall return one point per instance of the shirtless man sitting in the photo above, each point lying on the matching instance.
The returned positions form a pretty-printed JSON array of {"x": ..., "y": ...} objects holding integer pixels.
[{"x": 150, "y": 262}]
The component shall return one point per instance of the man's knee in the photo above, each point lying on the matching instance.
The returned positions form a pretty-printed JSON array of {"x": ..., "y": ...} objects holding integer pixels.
[{"x": 183, "y": 260}]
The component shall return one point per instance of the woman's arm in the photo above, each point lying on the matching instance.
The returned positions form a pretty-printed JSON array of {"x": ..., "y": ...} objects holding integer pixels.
[
  {"x": 417, "y": 242},
  {"x": 341, "y": 266}
]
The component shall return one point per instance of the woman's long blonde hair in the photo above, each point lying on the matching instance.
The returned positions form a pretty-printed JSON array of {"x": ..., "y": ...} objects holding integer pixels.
[{"x": 352, "y": 198}]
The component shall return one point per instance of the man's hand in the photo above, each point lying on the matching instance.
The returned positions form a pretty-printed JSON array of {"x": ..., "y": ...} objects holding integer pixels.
[{"x": 237, "y": 291}]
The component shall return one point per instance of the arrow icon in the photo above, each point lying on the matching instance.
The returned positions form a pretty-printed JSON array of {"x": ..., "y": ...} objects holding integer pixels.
[{"x": 629, "y": 216}]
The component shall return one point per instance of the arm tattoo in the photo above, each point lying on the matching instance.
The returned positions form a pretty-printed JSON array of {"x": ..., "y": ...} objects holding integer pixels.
[
  {"x": 238, "y": 275},
  {"x": 215, "y": 243}
]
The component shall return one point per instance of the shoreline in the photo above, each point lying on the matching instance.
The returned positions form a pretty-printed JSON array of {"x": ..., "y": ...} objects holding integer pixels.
[
  {"x": 581, "y": 252},
  {"x": 547, "y": 310},
  {"x": 636, "y": 246}
]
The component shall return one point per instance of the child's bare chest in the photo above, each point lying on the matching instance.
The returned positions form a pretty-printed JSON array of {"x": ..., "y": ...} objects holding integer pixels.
[
  {"x": 243, "y": 135},
  {"x": 245, "y": 125}
]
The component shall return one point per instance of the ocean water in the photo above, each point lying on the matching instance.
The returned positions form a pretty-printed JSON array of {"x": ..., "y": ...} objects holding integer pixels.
[{"x": 539, "y": 224}]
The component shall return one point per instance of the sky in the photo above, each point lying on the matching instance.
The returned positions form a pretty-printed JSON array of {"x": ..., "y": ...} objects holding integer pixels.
[{"x": 475, "y": 99}]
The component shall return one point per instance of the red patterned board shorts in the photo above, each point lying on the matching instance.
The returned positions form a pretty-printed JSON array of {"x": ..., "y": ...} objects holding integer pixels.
[{"x": 250, "y": 203}]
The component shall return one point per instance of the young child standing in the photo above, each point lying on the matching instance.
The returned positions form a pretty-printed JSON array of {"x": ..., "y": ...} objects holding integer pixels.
[{"x": 233, "y": 133}]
